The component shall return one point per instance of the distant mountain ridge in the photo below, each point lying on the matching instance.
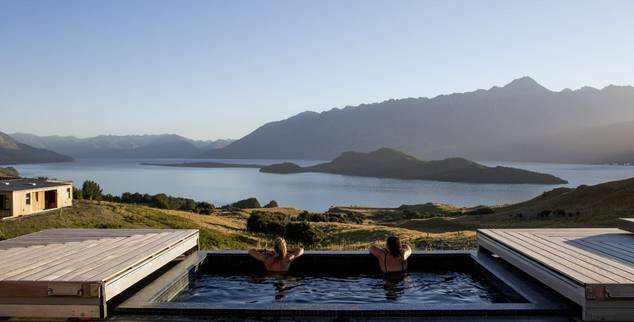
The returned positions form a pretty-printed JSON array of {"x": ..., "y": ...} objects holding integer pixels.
[
  {"x": 122, "y": 146},
  {"x": 389, "y": 163},
  {"x": 475, "y": 125},
  {"x": 13, "y": 152}
]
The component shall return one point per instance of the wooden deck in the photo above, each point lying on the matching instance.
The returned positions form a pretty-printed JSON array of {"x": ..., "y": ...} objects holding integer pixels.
[
  {"x": 67, "y": 273},
  {"x": 592, "y": 267}
]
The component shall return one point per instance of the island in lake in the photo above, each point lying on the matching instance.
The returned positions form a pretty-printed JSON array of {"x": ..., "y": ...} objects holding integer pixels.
[{"x": 389, "y": 163}]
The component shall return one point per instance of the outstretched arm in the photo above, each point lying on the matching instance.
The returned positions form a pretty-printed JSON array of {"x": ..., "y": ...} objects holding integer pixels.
[{"x": 295, "y": 253}]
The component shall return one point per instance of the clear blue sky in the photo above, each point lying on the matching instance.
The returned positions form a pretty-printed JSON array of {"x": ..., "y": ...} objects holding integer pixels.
[{"x": 219, "y": 69}]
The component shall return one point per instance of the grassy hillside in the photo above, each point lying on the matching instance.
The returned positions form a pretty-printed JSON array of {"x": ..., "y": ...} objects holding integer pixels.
[{"x": 221, "y": 230}]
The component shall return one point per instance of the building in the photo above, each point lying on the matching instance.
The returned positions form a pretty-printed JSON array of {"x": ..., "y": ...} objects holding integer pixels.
[{"x": 24, "y": 196}]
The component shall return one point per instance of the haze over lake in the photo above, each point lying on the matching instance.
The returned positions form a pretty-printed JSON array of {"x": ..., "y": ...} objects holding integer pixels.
[{"x": 311, "y": 191}]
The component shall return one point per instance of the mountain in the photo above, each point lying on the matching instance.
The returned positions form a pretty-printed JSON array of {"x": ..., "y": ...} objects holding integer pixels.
[
  {"x": 13, "y": 152},
  {"x": 122, "y": 146},
  {"x": 462, "y": 124},
  {"x": 389, "y": 163},
  {"x": 610, "y": 143}
]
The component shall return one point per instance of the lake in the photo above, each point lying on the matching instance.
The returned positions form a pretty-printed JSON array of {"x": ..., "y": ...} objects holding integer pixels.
[{"x": 311, "y": 191}]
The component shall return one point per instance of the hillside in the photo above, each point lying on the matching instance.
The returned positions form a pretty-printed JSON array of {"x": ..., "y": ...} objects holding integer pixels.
[
  {"x": 13, "y": 152},
  {"x": 476, "y": 125},
  {"x": 585, "y": 206},
  {"x": 221, "y": 230},
  {"x": 389, "y": 163},
  {"x": 122, "y": 146}
]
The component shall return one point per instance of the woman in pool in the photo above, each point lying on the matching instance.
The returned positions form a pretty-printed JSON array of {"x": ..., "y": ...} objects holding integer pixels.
[
  {"x": 279, "y": 259},
  {"x": 393, "y": 257}
]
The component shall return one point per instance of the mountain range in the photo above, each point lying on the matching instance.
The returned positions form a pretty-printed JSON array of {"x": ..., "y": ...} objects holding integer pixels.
[
  {"x": 122, "y": 146},
  {"x": 522, "y": 121},
  {"x": 389, "y": 163},
  {"x": 13, "y": 152}
]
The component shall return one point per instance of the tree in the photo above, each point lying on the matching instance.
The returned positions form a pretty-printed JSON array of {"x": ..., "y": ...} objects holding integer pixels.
[
  {"x": 271, "y": 204},
  {"x": 91, "y": 190}
]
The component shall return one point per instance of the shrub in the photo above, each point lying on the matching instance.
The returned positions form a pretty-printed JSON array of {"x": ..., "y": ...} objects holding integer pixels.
[
  {"x": 204, "y": 208},
  {"x": 314, "y": 217},
  {"x": 246, "y": 204},
  {"x": 305, "y": 233},
  {"x": 271, "y": 204},
  {"x": 267, "y": 223}
]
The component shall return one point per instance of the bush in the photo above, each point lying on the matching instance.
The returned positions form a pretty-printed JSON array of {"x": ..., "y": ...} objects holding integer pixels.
[
  {"x": 305, "y": 233},
  {"x": 204, "y": 208},
  {"x": 246, "y": 204},
  {"x": 267, "y": 223},
  {"x": 91, "y": 190},
  {"x": 271, "y": 204}
]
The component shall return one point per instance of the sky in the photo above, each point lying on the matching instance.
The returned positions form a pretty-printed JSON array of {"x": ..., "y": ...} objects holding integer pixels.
[{"x": 220, "y": 69}]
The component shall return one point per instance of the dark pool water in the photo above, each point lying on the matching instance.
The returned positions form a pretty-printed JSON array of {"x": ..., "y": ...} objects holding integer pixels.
[{"x": 415, "y": 288}]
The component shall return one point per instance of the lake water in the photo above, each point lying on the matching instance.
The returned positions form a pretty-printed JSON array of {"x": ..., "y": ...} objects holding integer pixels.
[{"x": 311, "y": 191}]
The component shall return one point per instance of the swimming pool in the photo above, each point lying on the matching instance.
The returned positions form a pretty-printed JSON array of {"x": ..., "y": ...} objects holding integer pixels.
[
  {"x": 414, "y": 288},
  {"x": 344, "y": 285}
]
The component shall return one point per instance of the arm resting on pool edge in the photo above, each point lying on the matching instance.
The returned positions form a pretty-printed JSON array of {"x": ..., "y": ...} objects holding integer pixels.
[
  {"x": 376, "y": 251},
  {"x": 295, "y": 253},
  {"x": 258, "y": 254},
  {"x": 407, "y": 251}
]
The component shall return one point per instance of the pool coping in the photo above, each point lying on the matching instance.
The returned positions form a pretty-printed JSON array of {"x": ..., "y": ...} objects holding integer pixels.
[{"x": 153, "y": 298}]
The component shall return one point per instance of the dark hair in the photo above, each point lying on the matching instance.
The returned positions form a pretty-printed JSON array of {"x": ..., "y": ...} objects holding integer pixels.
[{"x": 394, "y": 246}]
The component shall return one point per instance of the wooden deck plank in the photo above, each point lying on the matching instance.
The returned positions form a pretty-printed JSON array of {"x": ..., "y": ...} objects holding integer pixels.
[
  {"x": 599, "y": 264},
  {"x": 537, "y": 255},
  {"x": 65, "y": 262},
  {"x": 71, "y": 265},
  {"x": 599, "y": 261},
  {"x": 118, "y": 264},
  {"x": 95, "y": 259}
]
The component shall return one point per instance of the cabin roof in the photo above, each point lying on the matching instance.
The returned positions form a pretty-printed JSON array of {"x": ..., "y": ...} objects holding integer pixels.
[{"x": 10, "y": 185}]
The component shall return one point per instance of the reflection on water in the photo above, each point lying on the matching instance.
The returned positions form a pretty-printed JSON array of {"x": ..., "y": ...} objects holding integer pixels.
[
  {"x": 413, "y": 288},
  {"x": 311, "y": 191}
]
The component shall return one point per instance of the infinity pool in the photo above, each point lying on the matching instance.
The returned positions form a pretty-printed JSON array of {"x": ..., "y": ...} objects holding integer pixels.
[{"x": 414, "y": 288}]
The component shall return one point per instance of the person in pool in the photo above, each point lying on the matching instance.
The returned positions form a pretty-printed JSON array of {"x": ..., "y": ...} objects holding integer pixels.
[
  {"x": 393, "y": 257},
  {"x": 279, "y": 258}
]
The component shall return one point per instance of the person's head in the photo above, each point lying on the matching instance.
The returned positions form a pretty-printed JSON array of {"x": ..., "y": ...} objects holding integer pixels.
[
  {"x": 394, "y": 246},
  {"x": 280, "y": 247}
]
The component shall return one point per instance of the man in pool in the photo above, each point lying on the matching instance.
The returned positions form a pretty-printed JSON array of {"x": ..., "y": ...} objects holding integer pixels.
[
  {"x": 279, "y": 259},
  {"x": 393, "y": 257}
]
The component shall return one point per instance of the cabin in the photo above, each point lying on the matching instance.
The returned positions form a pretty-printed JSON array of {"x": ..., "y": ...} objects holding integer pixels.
[{"x": 25, "y": 196}]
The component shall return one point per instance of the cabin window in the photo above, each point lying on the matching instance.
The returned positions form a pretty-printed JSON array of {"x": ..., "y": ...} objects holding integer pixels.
[
  {"x": 37, "y": 197},
  {"x": 68, "y": 192},
  {"x": 28, "y": 198}
]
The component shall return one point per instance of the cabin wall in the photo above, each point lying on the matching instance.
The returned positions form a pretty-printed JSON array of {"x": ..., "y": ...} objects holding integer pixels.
[{"x": 20, "y": 207}]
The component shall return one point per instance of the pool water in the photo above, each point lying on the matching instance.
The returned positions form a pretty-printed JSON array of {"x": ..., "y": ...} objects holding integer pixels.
[{"x": 414, "y": 288}]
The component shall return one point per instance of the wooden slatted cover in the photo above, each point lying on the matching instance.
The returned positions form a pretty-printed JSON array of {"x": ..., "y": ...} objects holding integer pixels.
[
  {"x": 593, "y": 267},
  {"x": 80, "y": 264}
]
